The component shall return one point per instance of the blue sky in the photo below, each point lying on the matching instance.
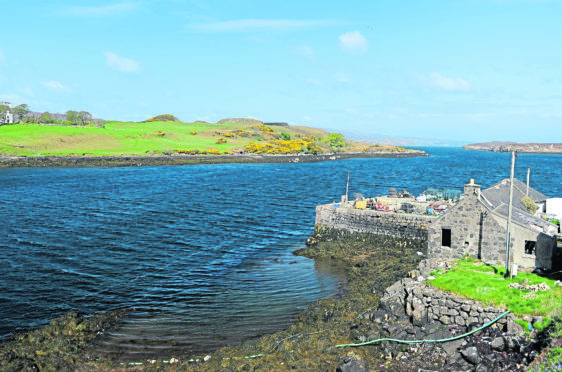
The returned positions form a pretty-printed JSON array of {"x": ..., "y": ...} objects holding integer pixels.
[{"x": 464, "y": 71}]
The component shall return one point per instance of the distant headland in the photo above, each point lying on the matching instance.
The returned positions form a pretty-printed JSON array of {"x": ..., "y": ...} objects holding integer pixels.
[{"x": 533, "y": 148}]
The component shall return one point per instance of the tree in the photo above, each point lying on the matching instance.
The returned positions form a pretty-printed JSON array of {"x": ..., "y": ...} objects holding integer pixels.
[
  {"x": 45, "y": 118},
  {"x": 21, "y": 111},
  {"x": 72, "y": 116},
  {"x": 336, "y": 140},
  {"x": 84, "y": 117}
]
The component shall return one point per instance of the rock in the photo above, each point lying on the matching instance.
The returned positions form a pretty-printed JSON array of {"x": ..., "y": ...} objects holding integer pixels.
[
  {"x": 419, "y": 317},
  {"x": 459, "y": 320},
  {"x": 378, "y": 316},
  {"x": 514, "y": 329},
  {"x": 173, "y": 360},
  {"x": 207, "y": 358},
  {"x": 481, "y": 368},
  {"x": 471, "y": 355},
  {"x": 498, "y": 344},
  {"x": 352, "y": 363}
]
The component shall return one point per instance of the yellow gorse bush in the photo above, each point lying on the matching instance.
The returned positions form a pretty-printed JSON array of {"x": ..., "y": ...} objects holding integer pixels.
[{"x": 279, "y": 147}]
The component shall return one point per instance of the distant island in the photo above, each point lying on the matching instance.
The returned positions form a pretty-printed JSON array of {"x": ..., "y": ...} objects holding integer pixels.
[
  {"x": 41, "y": 140},
  {"x": 533, "y": 148}
]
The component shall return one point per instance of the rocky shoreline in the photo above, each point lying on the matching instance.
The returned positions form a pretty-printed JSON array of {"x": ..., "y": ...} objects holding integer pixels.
[
  {"x": 386, "y": 297},
  {"x": 138, "y": 161}
]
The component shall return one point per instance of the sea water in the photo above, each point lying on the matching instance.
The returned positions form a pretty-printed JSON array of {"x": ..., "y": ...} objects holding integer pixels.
[{"x": 202, "y": 253}]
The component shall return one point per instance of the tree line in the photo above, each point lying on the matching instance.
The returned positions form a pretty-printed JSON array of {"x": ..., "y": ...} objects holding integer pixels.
[{"x": 71, "y": 117}]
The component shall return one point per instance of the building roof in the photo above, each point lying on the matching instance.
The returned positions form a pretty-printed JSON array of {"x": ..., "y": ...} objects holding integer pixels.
[
  {"x": 526, "y": 219},
  {"x": 498, "y": 194},
  {"x": 496, "y": 197}
]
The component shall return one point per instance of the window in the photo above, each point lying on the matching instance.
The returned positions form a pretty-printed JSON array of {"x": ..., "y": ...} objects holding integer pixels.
[
  {"x": 446, "y": 237},
  {"x": 530, "y": 246}
]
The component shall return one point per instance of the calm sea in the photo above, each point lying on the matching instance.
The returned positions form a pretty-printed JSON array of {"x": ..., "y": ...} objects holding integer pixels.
[{"x": 202, "y": 253}]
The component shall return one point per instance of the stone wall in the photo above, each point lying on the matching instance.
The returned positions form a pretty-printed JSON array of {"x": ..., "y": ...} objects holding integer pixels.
[
  {"x": 368, "y": 221},
  {"x": 473, "y": 231},
  {"x": 424, "y": 304},
  {"x": 481, "y": 233}
]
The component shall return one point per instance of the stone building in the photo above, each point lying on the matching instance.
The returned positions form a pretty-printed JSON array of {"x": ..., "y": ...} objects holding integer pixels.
[{"x": 477, "y": 226}]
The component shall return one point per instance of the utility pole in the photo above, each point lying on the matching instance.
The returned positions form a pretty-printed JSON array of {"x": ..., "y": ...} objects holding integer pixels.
[
  {"x": 528, "y": 179},
  {"x": 347, "y": 187},
  {"x": 509, "y": 210}
]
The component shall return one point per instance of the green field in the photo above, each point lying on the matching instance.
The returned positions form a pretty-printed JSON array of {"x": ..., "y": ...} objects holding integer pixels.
[{"x": 156, "y": 138}]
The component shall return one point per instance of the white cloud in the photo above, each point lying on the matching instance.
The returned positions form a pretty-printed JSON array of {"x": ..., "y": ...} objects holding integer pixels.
[
  {"x": 119, "y": 63},
  {"x": 245, "y": 25},
  {"x": 447, "y": 83},
  {"x": 353, "y": 41},
  {"x": 304, "y": 50},
  {"x": 54, "y": 85},
  {"x": 343, "y": 78},
  {"x": 99, "y": 11}
]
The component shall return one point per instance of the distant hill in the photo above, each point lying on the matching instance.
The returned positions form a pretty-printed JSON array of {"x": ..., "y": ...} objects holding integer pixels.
[
  {"x": 163, "y": 117},
  {"x": 499, "y": 146}
]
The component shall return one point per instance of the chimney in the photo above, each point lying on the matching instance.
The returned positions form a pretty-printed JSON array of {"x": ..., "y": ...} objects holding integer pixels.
[{"x": 471, "y": 188}]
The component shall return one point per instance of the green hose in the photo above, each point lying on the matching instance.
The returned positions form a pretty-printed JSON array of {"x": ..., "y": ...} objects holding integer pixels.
[{"x": 420, "y": 341}]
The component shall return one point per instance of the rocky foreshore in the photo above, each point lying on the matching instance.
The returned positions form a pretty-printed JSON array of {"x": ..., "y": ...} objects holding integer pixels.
[
  {"x": 386, "y": 297},
  {"x": 138, "y": 161}
]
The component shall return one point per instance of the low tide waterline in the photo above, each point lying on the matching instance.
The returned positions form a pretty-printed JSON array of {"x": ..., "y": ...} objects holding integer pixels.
[{"x": 202, "y": 252}]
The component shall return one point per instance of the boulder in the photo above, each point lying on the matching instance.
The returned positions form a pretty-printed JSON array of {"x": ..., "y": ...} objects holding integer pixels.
[
  {"x": 352, "y": 363},
  {"x": 471, "y": 355}
]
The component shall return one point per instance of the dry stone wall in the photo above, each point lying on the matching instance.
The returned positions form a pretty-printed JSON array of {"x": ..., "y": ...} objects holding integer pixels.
[
  {"x": 423, "y": 304},
  {"x": 393, "y": 224}
]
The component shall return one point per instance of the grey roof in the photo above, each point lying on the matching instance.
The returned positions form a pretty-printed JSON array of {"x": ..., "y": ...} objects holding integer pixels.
[
  {"x": 498, "y": 194},
  {"x": 526, "y": 219},
  {"x": 496, "y": 197}
]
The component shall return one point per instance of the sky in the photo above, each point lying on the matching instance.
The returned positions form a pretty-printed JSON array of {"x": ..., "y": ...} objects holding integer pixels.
[{"x": 458, "y": 70}]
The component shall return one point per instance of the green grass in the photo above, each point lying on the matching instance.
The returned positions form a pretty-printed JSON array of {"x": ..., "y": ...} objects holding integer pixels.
[
  {"x": 144, "y": 139},
  {"x": 471, "y": 278},
  {"x": 117, "y": 138}
]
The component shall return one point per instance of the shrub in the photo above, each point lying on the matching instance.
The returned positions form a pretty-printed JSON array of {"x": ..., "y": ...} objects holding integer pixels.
[
  {"x": 193, "y": 132},
  {"x": 188, "y": 151},
  {"x": 285, "y": 136},
  {"x": 161, "y": 133},
  {"x": 221, "y": 140},
  {"x": 214, "y": 152},
  {"x": 228, "y": 134},
  {"x": 265, "y": 129},
  {"x": 529, "y": 204}
]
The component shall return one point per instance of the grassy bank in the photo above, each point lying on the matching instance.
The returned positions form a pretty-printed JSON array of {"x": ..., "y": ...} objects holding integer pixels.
[
  {"x": 117, "y": 138},
  {"x": 474, "y": 279}
]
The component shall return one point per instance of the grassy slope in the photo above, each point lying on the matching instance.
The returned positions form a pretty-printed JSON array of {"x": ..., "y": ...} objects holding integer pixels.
[
  {"x": 474, "y": 279},
  {"x": 129, "y": 138}
]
